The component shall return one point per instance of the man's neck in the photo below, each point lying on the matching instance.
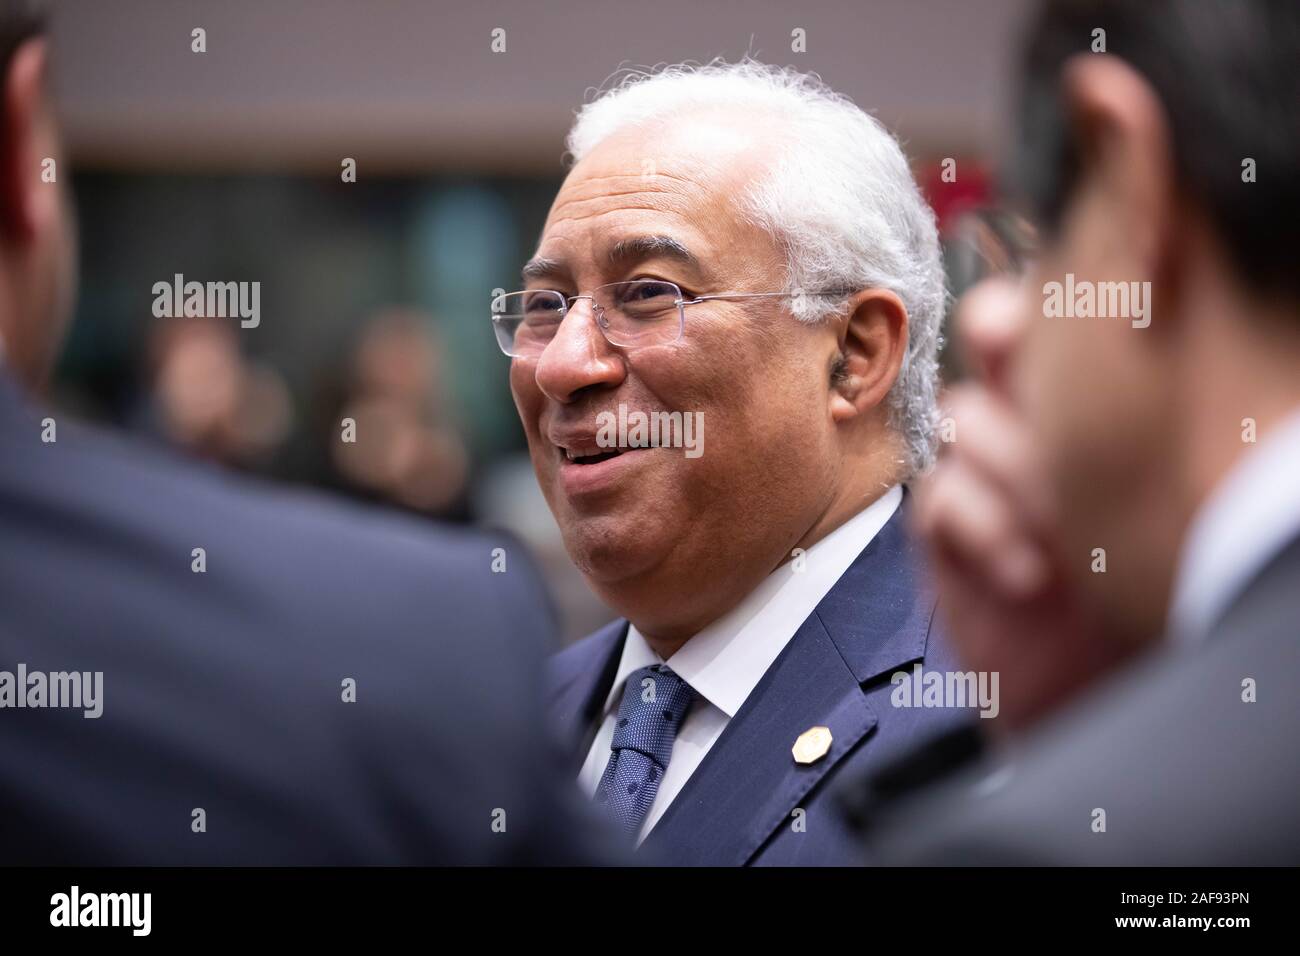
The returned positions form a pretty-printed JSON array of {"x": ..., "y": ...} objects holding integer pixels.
[
  {"x": 1252, "y": 387},
  {"x": 666, "y": 641},
  {"x": 851, "y": 502}
]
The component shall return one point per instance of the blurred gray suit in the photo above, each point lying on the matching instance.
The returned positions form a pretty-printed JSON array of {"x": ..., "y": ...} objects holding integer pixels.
[{"x": 1187, "y": 772}]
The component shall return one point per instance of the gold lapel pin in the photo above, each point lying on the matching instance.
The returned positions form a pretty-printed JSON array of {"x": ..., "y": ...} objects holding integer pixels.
[{"x": 812, "y": 745}]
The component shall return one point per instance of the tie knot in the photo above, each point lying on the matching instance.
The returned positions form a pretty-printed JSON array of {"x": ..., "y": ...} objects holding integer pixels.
[{"x": 655, "y": 701}]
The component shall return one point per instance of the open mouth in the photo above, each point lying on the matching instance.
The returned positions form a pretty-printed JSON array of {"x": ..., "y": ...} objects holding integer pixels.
[{"x": 590, "y": 459}]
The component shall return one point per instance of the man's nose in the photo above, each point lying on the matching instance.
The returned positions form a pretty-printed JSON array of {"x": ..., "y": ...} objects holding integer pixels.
[{"x": 578, "y": 357}]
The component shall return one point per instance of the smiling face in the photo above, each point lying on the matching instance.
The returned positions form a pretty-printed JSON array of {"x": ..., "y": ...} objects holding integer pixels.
[{"x": 672, "y": 541}]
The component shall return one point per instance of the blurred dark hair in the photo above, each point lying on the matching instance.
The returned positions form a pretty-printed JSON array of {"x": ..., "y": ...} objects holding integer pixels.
[
  {"x": 20, "y": 20},
  {"x": 1225, "y": 72}
]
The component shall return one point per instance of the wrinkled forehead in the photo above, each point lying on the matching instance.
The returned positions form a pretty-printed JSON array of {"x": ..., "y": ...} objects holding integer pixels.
[{"x": 666, "y": 187}]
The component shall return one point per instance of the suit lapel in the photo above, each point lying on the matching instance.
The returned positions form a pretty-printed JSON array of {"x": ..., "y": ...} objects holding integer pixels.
[
  {"x": 578, "y": 685},
  {"x": 875, "y": 620},
  {"x": 749, "y": 782}
]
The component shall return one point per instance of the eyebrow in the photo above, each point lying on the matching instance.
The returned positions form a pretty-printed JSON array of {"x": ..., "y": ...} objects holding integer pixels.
[
  {"x": 540, "y": 268},
  {"x": 621, "y": 253},
  {"x": 650, "y": 247}
]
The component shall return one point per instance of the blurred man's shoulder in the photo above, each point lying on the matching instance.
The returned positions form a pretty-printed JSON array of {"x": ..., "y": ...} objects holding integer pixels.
[
  {"x": 1186, "y": 757},
  {"x": 349, "y": 666},
  {"x": 274, "y": 544}
]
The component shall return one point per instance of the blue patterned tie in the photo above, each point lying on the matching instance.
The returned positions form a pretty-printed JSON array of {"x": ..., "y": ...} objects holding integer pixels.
[{"x": 654, "y": 704}]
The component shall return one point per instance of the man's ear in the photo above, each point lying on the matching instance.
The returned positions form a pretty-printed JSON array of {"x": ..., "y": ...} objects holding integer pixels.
[
  {"x": 872, "y": 341},
  {"x": 22, "y": 138},
  {"x": 1125, "y": 153}
]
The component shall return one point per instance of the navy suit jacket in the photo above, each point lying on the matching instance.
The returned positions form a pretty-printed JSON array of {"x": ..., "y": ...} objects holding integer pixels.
[
  {"x": 223, "y": 690},
  {"x": 739, "y": 807}
]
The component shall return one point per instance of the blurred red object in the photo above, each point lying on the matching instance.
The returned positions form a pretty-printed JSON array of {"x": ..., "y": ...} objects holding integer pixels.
[{"x": 953, "y": 186}]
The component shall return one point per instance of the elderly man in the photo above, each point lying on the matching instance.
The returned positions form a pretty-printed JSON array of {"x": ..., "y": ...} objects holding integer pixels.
[{"x": 742, "y": 248}]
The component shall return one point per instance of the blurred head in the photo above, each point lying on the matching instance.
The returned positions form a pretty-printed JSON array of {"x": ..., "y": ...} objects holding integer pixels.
[
  {"x": 731, "y": 179},
  {"x": 407, "y": 452},
  {"x": 37, "y": 236},
  {"x": 1171, "y": 158},
  {"x": 399, "y": 358}
]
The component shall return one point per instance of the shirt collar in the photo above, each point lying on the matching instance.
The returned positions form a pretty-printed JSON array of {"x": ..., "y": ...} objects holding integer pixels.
[
  {"x": 724, "y": 662},
  {"x": 1245, "y": 522}
]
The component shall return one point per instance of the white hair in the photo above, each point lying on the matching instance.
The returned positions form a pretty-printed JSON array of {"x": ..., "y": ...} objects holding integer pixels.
[{"x": 839, "y": 198}]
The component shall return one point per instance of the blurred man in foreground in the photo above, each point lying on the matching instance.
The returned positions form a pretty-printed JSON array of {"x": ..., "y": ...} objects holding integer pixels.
[
  {"x": 741, "y": 260},
  {"x": 1117, "y": 526},
  {"x": 194, "y": 670}
]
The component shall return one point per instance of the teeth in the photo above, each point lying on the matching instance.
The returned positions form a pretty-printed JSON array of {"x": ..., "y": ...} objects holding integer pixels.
[{"x": 570, "y": 454}]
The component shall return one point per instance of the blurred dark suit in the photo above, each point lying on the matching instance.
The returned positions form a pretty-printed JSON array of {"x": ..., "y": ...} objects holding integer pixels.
[
  {"x": 223, "y": 690},
  {"x": 1185, "y": 770}
]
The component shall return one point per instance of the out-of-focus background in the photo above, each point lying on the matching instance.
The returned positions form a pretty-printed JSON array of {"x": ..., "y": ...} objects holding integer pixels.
[{"x": 226, "y": 166}]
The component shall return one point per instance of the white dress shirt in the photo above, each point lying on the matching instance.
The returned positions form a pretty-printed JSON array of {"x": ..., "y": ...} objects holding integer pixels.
[
  {"x": 724, "y": 662},
  {"x": 1251, "y": 516}
]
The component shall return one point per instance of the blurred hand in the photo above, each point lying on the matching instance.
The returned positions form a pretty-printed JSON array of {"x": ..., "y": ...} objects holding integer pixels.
[{"x": 988, "y": 517}]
